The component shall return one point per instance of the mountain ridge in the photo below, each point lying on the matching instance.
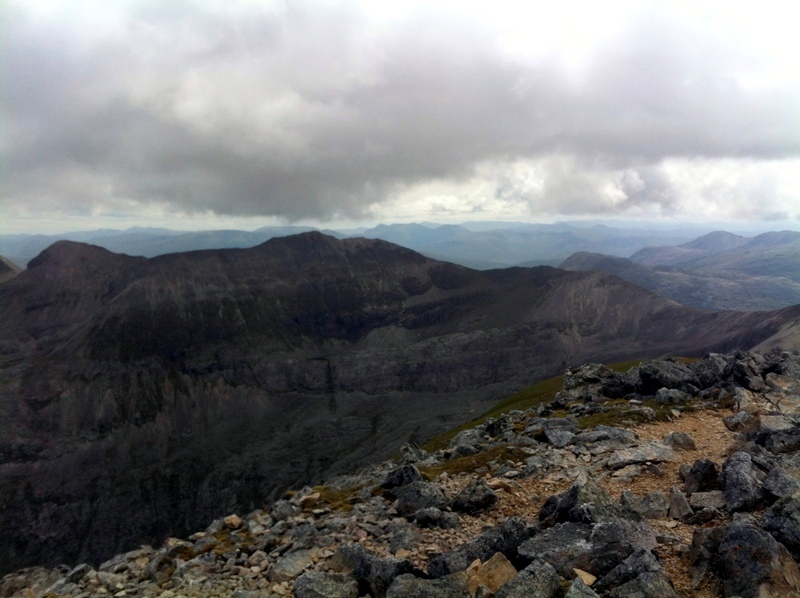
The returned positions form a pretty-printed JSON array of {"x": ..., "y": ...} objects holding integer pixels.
[{"x": 178, "y": 386}]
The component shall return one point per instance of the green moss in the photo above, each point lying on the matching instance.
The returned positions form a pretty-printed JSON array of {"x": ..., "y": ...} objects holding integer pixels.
[
  {"x": 527, "y": 398},
  {"x": 620, "y": 416},
  {"x": 499, "y": 454},
  {"x": 338, "y": 499}
]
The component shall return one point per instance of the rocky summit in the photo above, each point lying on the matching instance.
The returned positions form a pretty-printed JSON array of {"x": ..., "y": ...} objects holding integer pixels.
[
  {"x": 673, "y": 478},
  {"x": 141, "y": 398}
]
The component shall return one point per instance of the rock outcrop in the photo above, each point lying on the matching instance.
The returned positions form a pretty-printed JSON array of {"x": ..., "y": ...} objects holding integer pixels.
[{"x": 564, "y": 518}]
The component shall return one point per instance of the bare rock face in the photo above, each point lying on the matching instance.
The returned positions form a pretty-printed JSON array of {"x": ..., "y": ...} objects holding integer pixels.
[{"x": 143, "y": 397}]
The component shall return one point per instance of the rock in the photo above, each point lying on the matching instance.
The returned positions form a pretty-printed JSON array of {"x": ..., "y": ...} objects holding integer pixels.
[
  {"x": 290, "y": 566},
  {"x": 654, "y": 505},
  {"x": 586, "y": 502},
  {"x": 782, "y": 521},
  {"x": 738, "y": 422},
  {"x": 703, "y": 475},
  {"x": 710, "y": 369},
  {"x": 678, "y": 505},
  {"x": 283, "y": 510},
  {"x": 317, "y": 584},
  {"x": 492, "y": 574},
  {"x": 604, "y": 439},
  {"x": 775, "y": 422},
  {"x": 714, "y": 499},
  {"x": 652, "y": 452},
  {"x": 77, "y": 573},
  {"x": 641, "y": 561},
  {"x": 647, "y": 585},
  {"x": 615, "y": 541},
  {"x": 505, "y": 538},
  {"x": 418, "y": 495},
  {"x": 672, "y": 396},
  {"x": 579, "y": 589},
  {"x": 558, "y": 438},
  {"x": 433, "y": 517},
  {"x": 680, "y": 441},
  {"x": 565, "y": 546},
  {"x": 650, "y": 376},
  {"x": 472, "y": 438},
  {"x": 411, "y": 453},
  {"x": 404, "y": 536},
  {"x": 232, "y": 521},
  {"x": 746, "y": 371},
  {"x": 537, "y": 579},
  {"x": 780, "y": 441},
  {"x": 779, "y": 483},
  {"x": 753, "y": 563},
  {"x": 409, "y": 586},
  {"x": 474, "y": 498},
  {"x": 366, "y": 566},
  {"x": 703, "y": 551},
  {"x": 405, "y": 474},
  {"x": 740, "y": 482}
]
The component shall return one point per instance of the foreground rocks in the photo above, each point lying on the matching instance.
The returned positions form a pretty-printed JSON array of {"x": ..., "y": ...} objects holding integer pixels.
[{"x": 534, "y": 503}]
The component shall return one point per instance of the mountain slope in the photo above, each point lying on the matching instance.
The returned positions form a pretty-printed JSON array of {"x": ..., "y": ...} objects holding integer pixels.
[
  {"x": 142, "y": 397},
  {"x": 726, "y": 291},
  {"x": 768, "y": 254},
  {"x": 8, "y": 269}
]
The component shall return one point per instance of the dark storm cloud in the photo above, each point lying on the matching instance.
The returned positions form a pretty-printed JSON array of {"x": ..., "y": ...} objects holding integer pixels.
[{"x": 302, "y": 113}]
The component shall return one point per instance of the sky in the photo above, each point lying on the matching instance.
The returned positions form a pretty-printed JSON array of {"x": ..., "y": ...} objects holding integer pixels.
[{"x": 242, "y": 113}]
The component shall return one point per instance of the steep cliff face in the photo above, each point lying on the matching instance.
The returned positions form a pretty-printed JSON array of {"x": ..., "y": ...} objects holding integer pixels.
[{"x": 140, "y": 398}]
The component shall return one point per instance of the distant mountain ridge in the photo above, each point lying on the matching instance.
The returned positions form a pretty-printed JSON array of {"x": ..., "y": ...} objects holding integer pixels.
[
  {"x": 717, "y": 271},
  {"x": 141, "y": 397},
  {"x": 478, "y": 245}
]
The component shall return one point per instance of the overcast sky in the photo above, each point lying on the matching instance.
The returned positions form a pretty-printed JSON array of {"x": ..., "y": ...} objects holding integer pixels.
[{"x": 241, "y": 113}]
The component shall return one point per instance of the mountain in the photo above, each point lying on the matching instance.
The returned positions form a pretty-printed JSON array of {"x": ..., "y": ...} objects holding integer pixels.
[
  {"x": 147, "y": 242},
  {"x": 140, "y": 398},
  {"x": 716, "y": 292},
  {"x": 484, "y": 247},
  {"x": 8, "y": 269},
  {"x": 767, "y": 254},
  {"x": 605, "y": 474}
]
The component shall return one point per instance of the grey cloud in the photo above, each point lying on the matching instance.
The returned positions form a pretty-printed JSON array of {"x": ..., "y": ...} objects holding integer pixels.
[{"x": 299, "y": 113}]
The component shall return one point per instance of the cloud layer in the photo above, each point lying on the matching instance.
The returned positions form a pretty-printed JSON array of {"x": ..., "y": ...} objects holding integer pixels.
[{"x": 318, "y": 111}]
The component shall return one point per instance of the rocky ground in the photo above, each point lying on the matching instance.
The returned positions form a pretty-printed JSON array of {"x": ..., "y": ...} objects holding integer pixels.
[{"x": 673, "y": 479}]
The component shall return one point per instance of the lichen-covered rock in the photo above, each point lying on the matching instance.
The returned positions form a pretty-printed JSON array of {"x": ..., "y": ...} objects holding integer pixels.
[
  {"x": 505, "y": 538},
  {"x": 652, "y": 452},
  {"x": 751, "y": 563},
  {"x": 400, "y": 476},
  {"x": 317, "y": 584},
  {"x": 740, "y": 483},
  {"x": 418, "y": 495},
  {"x": 782, "y": 520},
  {"x": 474, "y": 498},
  {"x": 703, "y": 476},
  {"x": 537, "y": 579},
  {"x": 410, "y": 586}
]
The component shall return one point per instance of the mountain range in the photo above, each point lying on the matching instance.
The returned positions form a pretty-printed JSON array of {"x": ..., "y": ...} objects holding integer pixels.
[
  {"x": 481, "y": 245},
  {"x": 717, "y": 271},
  {"x": 141, "y": 397}
]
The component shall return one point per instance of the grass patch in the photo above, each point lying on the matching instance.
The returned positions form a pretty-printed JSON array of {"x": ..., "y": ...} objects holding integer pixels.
[
  {"x": 527, "y": 398},
  {"x": 470, "y": 463},
  {"x": 338, "y": 499}
]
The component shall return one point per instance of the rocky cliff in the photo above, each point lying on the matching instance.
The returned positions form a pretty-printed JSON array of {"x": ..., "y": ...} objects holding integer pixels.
[
  {"x": 143, "y": 397},
  {"x": 673, "y": 478}
]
